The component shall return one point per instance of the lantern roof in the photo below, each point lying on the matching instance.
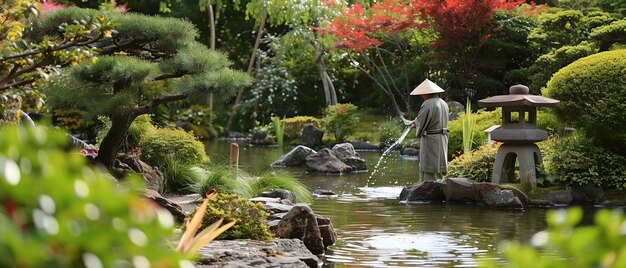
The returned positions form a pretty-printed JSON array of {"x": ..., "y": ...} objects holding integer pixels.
[{"x": 518, "y": 96}]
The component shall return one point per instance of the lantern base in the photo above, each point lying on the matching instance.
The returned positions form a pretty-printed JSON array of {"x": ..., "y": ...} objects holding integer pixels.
[{"x": 529, "y": 158}]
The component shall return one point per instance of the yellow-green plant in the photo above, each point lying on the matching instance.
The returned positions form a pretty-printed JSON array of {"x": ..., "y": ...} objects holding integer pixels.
[
  {"x": 190, "y": 244},
  {"x": 279, "y": 130},
  {"x": 468, "y": 127}
]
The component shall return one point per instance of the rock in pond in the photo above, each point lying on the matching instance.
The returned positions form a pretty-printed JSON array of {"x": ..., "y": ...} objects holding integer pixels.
[
  {"x": 423, "y": 191},
  {"x": 294, "y": 158},
  {"x": 277, "y": 253},
  {"x": 280, "y": 193},
  {"x": 325, "y": 161},
  {"x": 311, "y": 136},
  {"x": 300, "y": 222}
]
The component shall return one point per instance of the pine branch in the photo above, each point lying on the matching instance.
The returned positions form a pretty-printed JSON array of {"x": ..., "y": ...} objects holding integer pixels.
[
  {"x": 75, "y": 43},
  {"x": 149, "y": 108}
]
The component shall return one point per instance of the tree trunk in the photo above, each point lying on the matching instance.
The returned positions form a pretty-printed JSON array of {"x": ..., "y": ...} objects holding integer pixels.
[
  {"x": 329, "y": 89},
  {"x": 212, "y": 38},
  {"x": 257, "y": 42},
  {"x": 114, "y": 138}
]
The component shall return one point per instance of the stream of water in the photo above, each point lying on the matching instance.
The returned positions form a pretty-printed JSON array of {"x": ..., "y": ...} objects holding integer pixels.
[
  {"x": 386, "y": 152},
  {"x": 375, "y": 230}
]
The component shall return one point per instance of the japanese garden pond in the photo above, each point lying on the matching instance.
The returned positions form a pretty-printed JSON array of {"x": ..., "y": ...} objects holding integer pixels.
[{"x": 375, "y": 229}]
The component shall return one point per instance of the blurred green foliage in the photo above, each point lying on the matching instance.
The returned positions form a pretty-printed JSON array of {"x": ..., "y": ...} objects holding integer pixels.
[
  {"x": 55, "y": 211},
  {"x": 250, "y": 217},
  {"x": 293, "y": 126},
  {"x": 566, "y": 244},
  {"x": 389, "y": 131}
]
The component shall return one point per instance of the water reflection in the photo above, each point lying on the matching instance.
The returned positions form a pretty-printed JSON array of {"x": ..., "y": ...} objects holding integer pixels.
[{"x": 375, "y": 230}]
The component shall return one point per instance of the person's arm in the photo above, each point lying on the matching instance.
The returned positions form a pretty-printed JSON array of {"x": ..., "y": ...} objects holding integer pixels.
[{"x": 422, "y": 120}]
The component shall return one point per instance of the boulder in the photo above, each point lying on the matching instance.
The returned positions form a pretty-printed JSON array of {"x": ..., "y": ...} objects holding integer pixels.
[
  {"x": 325, "y": 161},
  {"x": 423, "y": 191},
  {"x": 363, "y": 145},
  {"x": 276, "y": 207},
  {"x": 357, "y": 163},
  {"x": 410, "y": 152},
  {"x": 277, "y": 253},
  {"x": 300, "y": 223},
  {"x": 344, "y": 150},
  {"x": 294, "y": 158},
  {"x": 563, "y": 197},
  {"x": 329, "y": 236},
  {"x": 280, "y": 193},
  {"x": 311, "y": 136},
  {"x": 459, "y": 190},
  {"x": 456, "y": 108},
  {"x": 587, "y": 193},
  {"x": 261, "y": 138},
  {"x": 492, "y": 195},
  {"x": 324, "y": 193}
]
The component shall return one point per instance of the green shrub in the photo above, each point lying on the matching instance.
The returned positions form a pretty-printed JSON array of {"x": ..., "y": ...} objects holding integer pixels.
[
  {"x": 179, "y": 177},
  {"x": 224, "y": 180},
  {"x": 292, "y": 127},
  {"x": 565, "y": 244},
  {"x": 281, "y": 180},
  {"x": 592, "y": 91},
  {"x": 389, "y": 132},
  {"x": 484, "y": 119},
  {"x": 476, "y": 165},
  {"x": 575, "y": 160},
  {"x": 548, "y": 121},
  {"x": 341, "y": 120},
  {"x": 163, "y": 143},
  {"x": 55, "y": 211},
  {"x": 250, "y": 217}
]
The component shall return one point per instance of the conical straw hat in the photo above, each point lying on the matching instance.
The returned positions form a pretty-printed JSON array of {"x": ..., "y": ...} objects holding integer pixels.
[{"x": 426, "y": 87}]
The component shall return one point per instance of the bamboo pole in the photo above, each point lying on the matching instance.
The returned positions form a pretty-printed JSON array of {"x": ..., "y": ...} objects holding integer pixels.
[{"x": 234, "y": 155}]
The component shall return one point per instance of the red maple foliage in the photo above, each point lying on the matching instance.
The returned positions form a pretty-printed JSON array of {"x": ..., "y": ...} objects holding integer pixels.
[{"x": 458, "y": 22}]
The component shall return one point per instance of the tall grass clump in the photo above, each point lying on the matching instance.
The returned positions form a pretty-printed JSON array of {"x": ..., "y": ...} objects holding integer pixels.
[
  {"x": 179, "y": 177},
  {"x": 468, "y": 127},
  {"x": 281, "y": 180},
  {"x": 225, "y": 180},
  {"x": 278, "y": 127}
]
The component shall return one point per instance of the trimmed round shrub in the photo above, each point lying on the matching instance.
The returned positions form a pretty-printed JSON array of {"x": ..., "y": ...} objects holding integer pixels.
[
  {"x": 55, "y": 211},
  {"x": 575, "y": 160},
  {"x": 341, "y": 120},
  {"x": 592, "y": 91},
  {"x": 476, "y": 165},
  {"x": 163, "y": 143},
  {"x": 250, "y": 217},
  {"x": 281, "y": 180}
]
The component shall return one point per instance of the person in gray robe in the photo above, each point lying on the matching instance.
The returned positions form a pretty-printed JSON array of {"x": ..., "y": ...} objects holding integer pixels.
[{"x": 432, "y": 128}]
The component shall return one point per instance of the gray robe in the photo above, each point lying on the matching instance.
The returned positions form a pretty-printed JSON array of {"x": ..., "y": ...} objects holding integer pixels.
[{"x": 432, "y": 117}]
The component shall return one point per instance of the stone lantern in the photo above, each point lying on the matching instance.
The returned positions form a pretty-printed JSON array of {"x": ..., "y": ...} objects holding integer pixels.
[{"x": 518, "y": 134}]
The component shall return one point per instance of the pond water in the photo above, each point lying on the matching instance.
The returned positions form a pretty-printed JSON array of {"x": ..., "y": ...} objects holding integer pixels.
[{"x": 375, "y": 229}]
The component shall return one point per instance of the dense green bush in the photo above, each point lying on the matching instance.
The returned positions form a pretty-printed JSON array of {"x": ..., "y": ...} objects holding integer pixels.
[
  {"x": 163, "y": 143},
  {"x": 223, "y": 179},
  {"x": 389, "y": 132},
  {"x": 281, "y": 180},
  {"x": 341, "y": 120},
  {"x": 293, "y": 126},
  {"x": 592, "y": 91},
  {"x": 575, "y": 160},
  {"x": 476, "y": 165},
  {"x": 250, "y": 217},
  {"x": 565, "y": 244},
  {"x": 484, "y": 120},
  {"x": 55, "y": 211}
]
